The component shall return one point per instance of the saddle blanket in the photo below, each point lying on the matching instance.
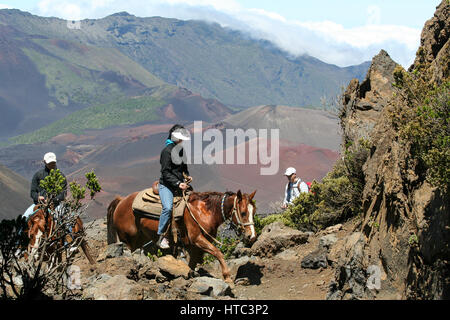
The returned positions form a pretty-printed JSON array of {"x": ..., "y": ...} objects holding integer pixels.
[{"x": 148, "y": 205}]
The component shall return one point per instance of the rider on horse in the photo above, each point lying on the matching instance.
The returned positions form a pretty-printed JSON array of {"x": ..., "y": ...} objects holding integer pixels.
[
  {"x": 171, "y": 182},
  {"x": 38, "y": 194}
]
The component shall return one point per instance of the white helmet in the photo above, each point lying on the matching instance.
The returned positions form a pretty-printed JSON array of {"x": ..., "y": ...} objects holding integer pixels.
[
  {"x": 290, "y": 171},
  {"x": 49, "y": 157},
  {"x": 180, "y": 134}
]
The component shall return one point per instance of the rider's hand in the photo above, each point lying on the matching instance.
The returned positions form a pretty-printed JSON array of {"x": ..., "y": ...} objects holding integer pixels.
[
  {"x": 183, "y": 186},
  {"x": 283, "y": 206},
  {"x": 41, "y": 199}
]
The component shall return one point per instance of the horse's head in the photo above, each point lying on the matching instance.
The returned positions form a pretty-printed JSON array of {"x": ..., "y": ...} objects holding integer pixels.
[{"x": 244, "y": 215}]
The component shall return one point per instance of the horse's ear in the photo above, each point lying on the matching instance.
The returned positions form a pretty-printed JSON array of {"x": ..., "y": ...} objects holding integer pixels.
[
  {"x": 252, "y": 195},
  {"x": 239, "y": 195}
]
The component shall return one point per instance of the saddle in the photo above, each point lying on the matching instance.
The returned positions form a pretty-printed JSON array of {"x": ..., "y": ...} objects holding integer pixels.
[{"x": 147, "y": 204}]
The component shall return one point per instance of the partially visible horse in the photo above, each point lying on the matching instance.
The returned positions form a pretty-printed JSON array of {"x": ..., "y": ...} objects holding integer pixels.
[
  {"x": 42, "y": 223},
  {"x": 208, "y": 210}
]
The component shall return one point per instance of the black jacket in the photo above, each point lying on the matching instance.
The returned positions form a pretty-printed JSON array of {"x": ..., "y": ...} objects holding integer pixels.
[
  {"x": 37, "y": 191},
  {"x": 172, "y": 173}
]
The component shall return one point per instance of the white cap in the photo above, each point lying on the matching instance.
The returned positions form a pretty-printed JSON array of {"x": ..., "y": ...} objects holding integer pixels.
[
  {"x": 180, "y": 135},
  {"x": 49, "y": 157},
  {"x": 290, "y": 171}
]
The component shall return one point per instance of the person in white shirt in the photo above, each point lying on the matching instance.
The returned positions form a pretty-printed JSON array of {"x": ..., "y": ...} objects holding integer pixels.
[{"x": 293, "y": 188}]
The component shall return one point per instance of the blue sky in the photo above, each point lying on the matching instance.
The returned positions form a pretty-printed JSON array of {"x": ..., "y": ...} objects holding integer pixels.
[
  {"x": 351, "y": 13},
  {"x": 343, "y": 32}
]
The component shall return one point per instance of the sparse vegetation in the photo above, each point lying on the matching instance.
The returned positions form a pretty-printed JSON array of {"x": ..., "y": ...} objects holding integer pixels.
[
  {"x": 68, "y": 86},
  {"x": 227, "y": 249},
  {"x": 424, "y": 124},
  {"x": 413, "y": 240},
  {"x": 121, "y": 112}
]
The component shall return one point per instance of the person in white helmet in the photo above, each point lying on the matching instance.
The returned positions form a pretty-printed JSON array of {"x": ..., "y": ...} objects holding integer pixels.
[
  {"x": 37, "y": 193},
  {"x": 171, "y": 182},
  {"x": 293, "y": 188}
]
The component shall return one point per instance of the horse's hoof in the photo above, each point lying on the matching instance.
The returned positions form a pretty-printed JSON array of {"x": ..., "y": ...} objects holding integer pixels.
[{"x": 230, "y": 283}]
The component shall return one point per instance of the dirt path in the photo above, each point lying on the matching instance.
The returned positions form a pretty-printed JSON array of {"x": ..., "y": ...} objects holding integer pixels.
[{"x": 282, "y": 277}]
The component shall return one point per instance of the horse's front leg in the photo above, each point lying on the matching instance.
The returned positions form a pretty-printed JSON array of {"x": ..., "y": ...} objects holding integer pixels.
[{"x": 207, "y": 246}]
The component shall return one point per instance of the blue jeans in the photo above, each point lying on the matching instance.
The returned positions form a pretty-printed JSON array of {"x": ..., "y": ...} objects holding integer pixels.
[{"x": 167, "y": 203}]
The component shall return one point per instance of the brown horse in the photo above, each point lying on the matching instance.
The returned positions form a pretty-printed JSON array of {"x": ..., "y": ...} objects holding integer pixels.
[
  {"x": 41, "y": 223},
  {"x": 210, "y": 210}
]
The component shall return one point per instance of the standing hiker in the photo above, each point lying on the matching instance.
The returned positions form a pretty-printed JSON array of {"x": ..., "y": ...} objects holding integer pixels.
[{"x": 293, "y": 188}]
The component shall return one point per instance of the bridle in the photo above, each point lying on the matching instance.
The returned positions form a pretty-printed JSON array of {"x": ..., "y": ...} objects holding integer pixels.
[{"x": 235, "y": 212}]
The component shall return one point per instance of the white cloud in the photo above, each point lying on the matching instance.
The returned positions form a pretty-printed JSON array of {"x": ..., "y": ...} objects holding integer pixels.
[{"x": 325, "y": 40}]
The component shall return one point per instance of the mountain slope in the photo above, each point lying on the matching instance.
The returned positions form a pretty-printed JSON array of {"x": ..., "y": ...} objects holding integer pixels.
[
  {"x": 155, "y": 106},
  {"x": 311, "y": 127},
  {"x": 14, "y": 195},
  {"x": 205, "y": 58},
  {"x": 126, "y": 158},
  {"x": 44, "y": 79},
  {"x": 51, "y": 86}
]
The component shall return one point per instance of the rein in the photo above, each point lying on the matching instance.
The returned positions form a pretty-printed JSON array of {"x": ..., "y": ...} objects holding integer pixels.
[
  {"x": 235, "y": 212},
  {"x": 192, "y": 215}
]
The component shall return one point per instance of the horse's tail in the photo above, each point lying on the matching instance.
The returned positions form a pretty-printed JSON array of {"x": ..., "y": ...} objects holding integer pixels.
[{"x": 112, "y": 232}]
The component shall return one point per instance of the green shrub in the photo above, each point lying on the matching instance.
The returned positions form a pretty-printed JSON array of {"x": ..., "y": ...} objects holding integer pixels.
[
  {"x": 227, "y": 249},
  {"x": 423, "y": 123},
  {"x": 274, "y": 218},
  {"x": 336, "y": 198},
  {"x": 258, "y": 224}
]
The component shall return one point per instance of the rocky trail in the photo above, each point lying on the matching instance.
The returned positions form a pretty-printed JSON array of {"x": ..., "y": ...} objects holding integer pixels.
[{"x": 283, "y": 264}]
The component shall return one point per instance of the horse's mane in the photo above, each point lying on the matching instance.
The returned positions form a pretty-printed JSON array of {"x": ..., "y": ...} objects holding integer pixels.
[{"x": 211, "y": 199}]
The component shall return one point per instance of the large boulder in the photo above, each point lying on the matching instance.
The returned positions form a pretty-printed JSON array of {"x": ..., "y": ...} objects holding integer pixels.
[
  {"x": 351, "y": 276},
  {"x": 173, "y": 268},
  {"x": 210, "y": 286},
  {"x": 327, "y": 241},
  {"x": 316, "y": 259},
  {"x": 276, "y": 237},
  {"x": 246, "y": 270},
  {"x": 113, "y": 288}
]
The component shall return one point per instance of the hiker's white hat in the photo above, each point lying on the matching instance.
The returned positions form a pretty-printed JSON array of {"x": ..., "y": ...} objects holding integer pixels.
[
  {"x": 290, "y": 171},
  {"x": 49, "y": 157},
  {"x": 180, "y": 135}
]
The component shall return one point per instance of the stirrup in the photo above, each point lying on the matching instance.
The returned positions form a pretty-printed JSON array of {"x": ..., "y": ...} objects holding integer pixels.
[
  {"x": 158, "y": 243},
  {"x": 164, "y": 247}
]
